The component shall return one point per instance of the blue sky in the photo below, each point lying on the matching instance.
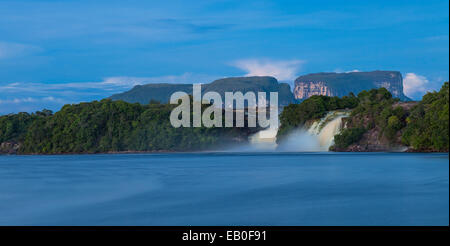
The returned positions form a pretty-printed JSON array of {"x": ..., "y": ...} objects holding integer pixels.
[{"x": 58, "y": 52}]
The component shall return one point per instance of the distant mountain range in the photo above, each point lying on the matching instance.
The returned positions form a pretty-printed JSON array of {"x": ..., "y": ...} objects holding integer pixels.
[
  {"x": 327, "y": 84},
  {"x": 161, "y": 92}
]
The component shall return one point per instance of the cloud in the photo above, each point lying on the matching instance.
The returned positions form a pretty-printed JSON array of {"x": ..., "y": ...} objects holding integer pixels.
[
  {"x": 178, "y": 79},
  {"x": 29, "y": 104},
  {"x": 17, "y": 100},
  {"x": 28, "y": 97},
  {"x": 414, "y": 84},
  {"x": 338, "y": 70},
  {"x": 281, "y": 69},
  {"x": 164, "y": 20},
  {"x": 29, "y": 100},
  {"x": 353, "y": 71},
  {"x": 108, "y": 85},
  {"x": 12, "y": 50}
]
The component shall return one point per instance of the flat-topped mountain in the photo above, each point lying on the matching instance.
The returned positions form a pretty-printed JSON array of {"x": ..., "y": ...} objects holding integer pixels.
[
  {"x": 143, "y": 94},
  {"x": 255, "y": 84},
  {"x": 161, "y": 92},
  {"x": 341, "y": 84}
]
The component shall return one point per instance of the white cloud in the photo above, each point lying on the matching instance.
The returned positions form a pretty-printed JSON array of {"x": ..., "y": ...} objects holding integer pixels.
[
  {"x": 414, "y": 84},
  {"x": 11, "y": 50},
  {"x": 26, "y": 96},
  {"x": 281, "y": 69},
  {"x": 353, "y": 71},
  {"x": 29, "y": 104},
  {"x": 338, "y": 70},
  {"x": 178, "y": 79},
  {"x": 30, "y": 100},
  {"x": 17, "y": 100},
  {"x": 115, "y": 84}
]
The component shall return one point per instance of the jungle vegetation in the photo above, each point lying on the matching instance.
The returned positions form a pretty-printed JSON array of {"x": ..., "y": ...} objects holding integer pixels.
[{"x": 109, "y": 126}]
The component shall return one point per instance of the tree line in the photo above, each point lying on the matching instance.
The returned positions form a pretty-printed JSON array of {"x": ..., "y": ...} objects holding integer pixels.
[{"x": 110, "y": 126}]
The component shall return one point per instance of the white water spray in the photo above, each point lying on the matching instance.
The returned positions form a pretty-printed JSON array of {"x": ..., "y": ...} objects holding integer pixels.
[
  {"x": 318, "y": 137},
  {"x": 265, "y": 140},
  {"x": 327, "y": 128}
]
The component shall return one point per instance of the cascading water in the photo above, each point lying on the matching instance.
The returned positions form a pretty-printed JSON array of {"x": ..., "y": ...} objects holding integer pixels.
[
  {"x": 318, "y": 137},
  {"x": 326, "y": 128}
]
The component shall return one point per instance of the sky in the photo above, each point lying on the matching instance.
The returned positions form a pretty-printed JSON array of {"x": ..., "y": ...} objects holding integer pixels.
[{"x": 58, "y": 52}]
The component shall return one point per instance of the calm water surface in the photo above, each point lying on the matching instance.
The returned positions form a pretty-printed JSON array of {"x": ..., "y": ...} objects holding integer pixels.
[{"x": 225, "y": 189}]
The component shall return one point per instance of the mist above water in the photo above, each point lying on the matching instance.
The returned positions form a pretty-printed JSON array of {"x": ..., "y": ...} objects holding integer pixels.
[
  {"x": 301, "y": 141},
  {"x": 262, "y": 141},
  {"x": 318, "y": 137}
]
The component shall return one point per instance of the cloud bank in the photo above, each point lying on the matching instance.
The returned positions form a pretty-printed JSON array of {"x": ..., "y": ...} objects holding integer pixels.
[
  {"x": 30, "y": 97},
  {"x": 12, "y": 50},
  {"x": 185, "y": 78},
  {"x": 283, "y": 70},
  {"x": 415, "y": 85}
]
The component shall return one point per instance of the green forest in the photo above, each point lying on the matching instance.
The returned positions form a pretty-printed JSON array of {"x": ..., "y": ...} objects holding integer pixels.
[
  {"x": 109, "y": 126},
  {"x": 375, "y": 111},
  {"x": 422, "y": 126},
  {"x": 427, "y": 125}
]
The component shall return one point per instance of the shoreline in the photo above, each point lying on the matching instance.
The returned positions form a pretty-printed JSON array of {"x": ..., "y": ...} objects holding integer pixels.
[{"x": 219, "y": 151}]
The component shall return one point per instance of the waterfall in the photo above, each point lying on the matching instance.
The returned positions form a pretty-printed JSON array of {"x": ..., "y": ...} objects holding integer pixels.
[
  {"x": 319, "y": 136},
  {"x": 326, "y": 128}
]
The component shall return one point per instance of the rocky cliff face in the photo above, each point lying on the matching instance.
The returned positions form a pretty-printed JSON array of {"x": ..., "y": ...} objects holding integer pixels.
[
  {"x": 306, "y": 89},
  {"x": 341, "y": 84}
]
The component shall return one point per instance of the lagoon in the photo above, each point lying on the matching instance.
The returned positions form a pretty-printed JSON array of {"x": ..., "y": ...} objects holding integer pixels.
[{"x": 224, "y": 188}]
